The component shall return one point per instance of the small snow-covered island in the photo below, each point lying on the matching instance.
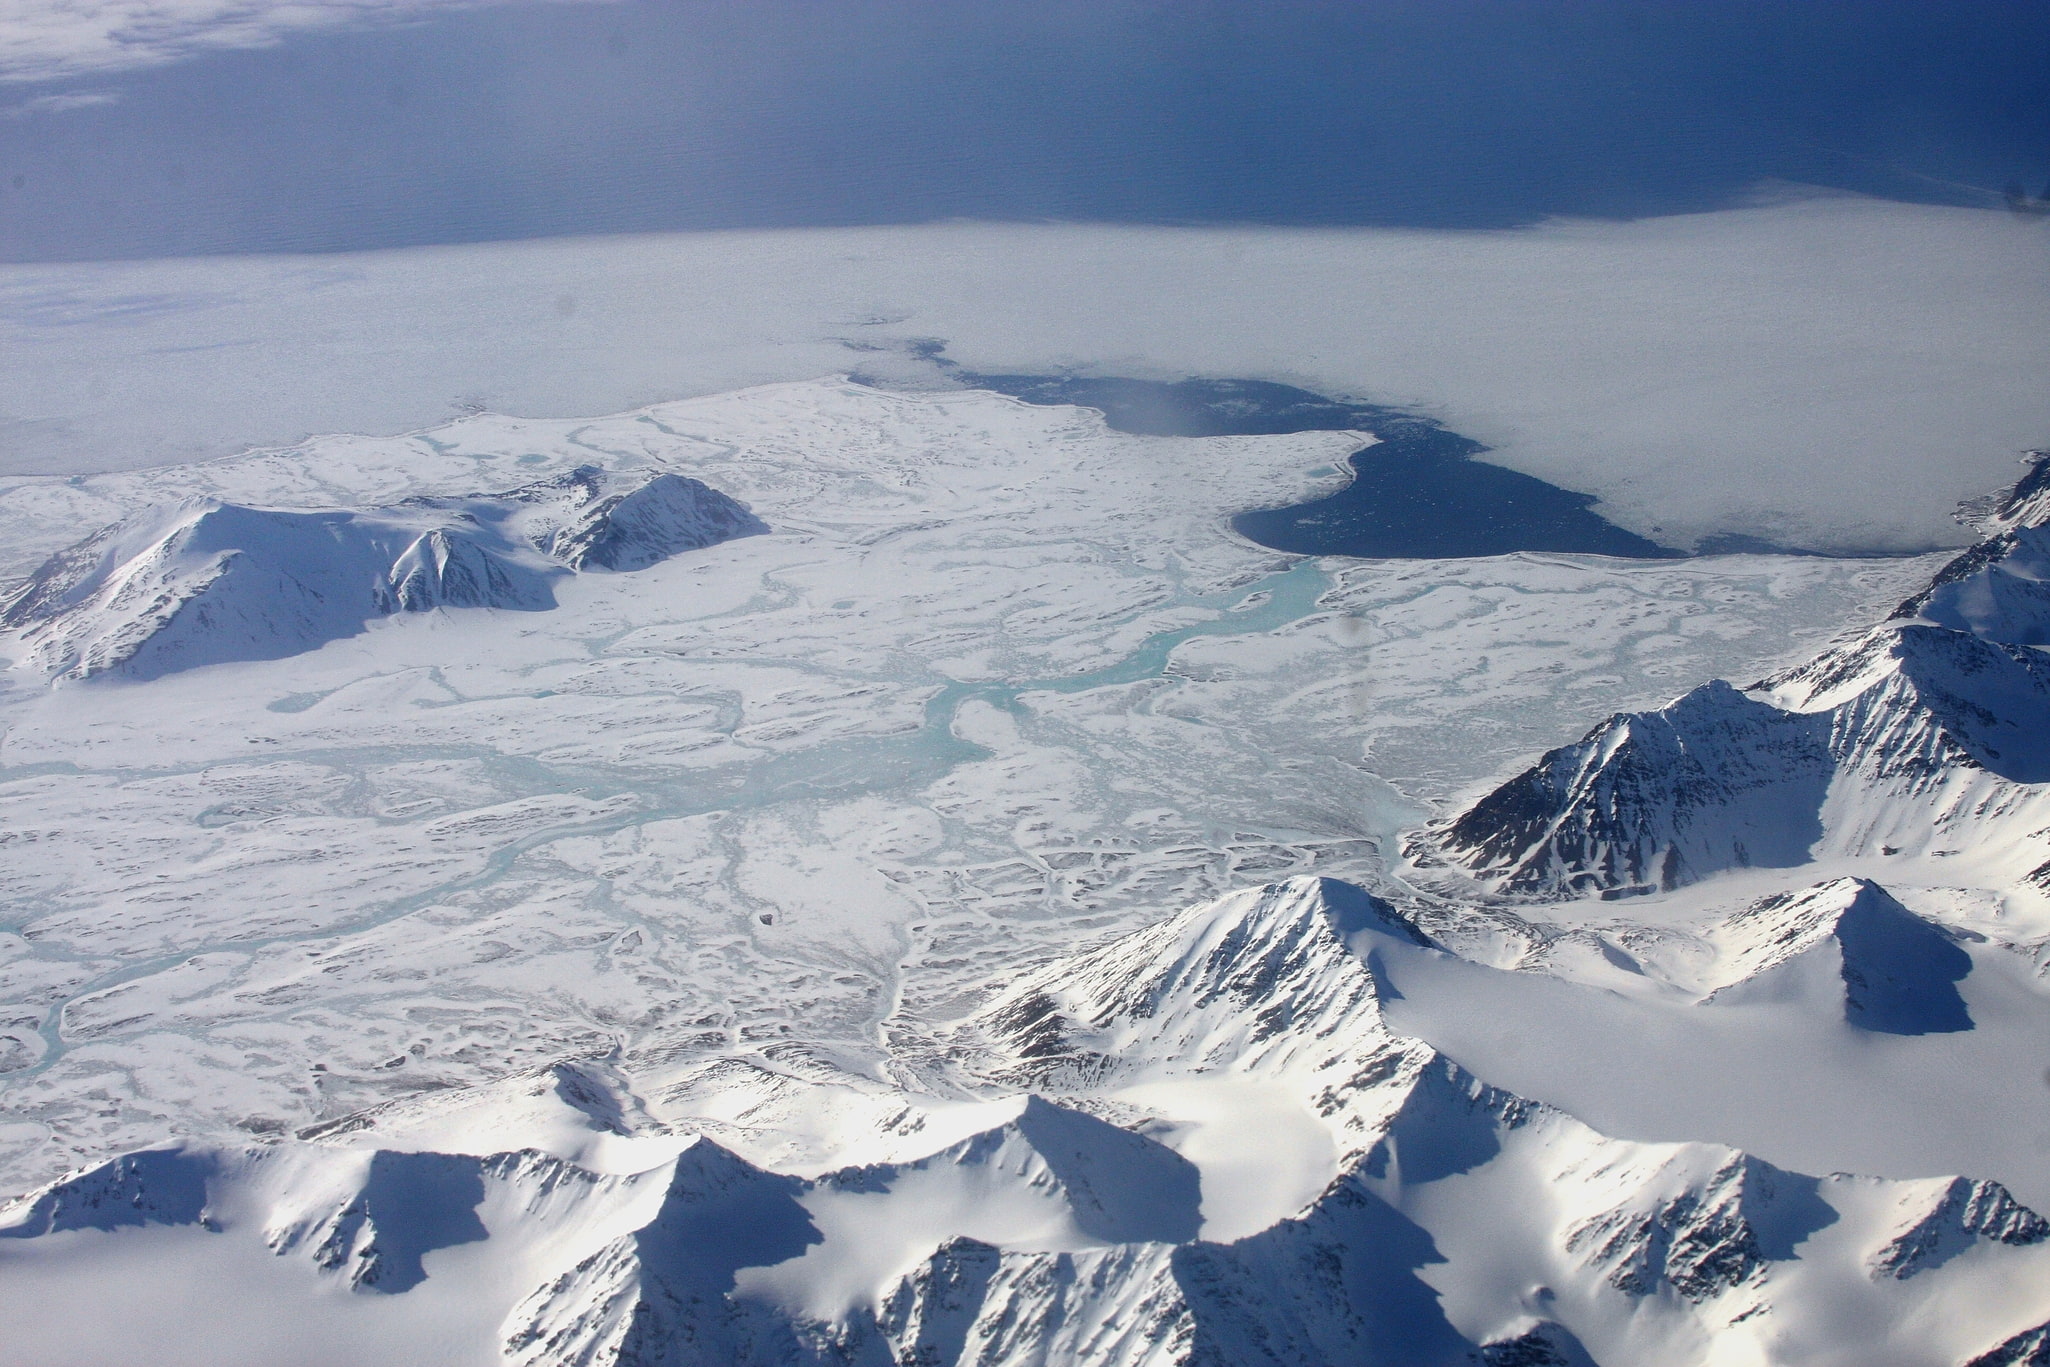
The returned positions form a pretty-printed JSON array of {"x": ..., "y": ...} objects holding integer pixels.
[
  {"x": 203, "y": 581},
  {"x": 829, "y": 874}
]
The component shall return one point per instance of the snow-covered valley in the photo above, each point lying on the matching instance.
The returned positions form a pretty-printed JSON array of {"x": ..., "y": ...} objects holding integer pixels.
[{"x": 929, "y": 893}]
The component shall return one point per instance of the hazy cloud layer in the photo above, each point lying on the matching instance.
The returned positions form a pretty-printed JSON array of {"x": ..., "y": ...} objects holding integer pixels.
[
  {"x": 43, "y": 40},
  {"x": 58, "y": 104},
  {"x": 1833, "y": 373}
]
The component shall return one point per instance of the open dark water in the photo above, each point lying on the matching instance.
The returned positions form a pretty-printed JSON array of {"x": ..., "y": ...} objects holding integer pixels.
[
  {"x": 1416, "y": 494},
  {"x": 530, "y": 119}
]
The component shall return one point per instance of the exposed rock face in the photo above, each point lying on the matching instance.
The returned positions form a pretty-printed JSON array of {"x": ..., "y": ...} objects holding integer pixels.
[
  {"x": 1655, "y": 799},
  {"x": 928, "y": 1316},
  {"x": 1962, "y": 1213},
  {"x": 2029, "y": 1348},
  {"x": 1712, "y": 1235}
]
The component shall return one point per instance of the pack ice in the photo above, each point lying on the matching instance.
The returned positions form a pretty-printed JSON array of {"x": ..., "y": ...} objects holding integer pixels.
[{"x": 996, "y": 917}]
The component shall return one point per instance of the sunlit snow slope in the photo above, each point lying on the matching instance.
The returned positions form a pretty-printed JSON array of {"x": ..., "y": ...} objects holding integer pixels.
[{"x": 984, "y": 912}]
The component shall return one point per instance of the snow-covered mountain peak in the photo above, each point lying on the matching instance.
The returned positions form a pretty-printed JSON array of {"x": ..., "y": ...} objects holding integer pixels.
[
  {"x": 206, "y": 581},
  {"x": 152, "y": 1186},
  {"x": 661, "y": 516},
  {"x": 1116, "y": 1185},
  {"x": 1939, "y": 1218},
  {"x": 1648, "y": 800},
  {"x": 1227, "y": 984},
  {"x": 1698, "y": 1220},
  {"x": 1999, "y": 589},
  {"x": 1825, "y": 754},
  {"x": 1898, "y": 972},
  {"x": 2027, "y": 502},
  {"x": 203, "y": 582}
]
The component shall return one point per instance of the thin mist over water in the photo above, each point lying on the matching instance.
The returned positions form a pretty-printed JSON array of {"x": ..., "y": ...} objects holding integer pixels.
[
  {"x": 534, "y": 120},
  {"x": 1833, "y": 373}
]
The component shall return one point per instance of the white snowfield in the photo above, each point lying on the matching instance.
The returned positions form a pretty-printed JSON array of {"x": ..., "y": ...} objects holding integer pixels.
[{"x": 771, "y": 954}]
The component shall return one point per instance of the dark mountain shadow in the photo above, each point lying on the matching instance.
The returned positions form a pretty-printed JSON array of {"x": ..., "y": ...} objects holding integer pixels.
[
  {"x": 1900, "y": 972},
  {"x": 1338, "y": 1284},
  {"x": 410, "y": 1204}
]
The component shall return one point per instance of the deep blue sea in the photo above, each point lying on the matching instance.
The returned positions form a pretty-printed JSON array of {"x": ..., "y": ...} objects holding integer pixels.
[{"x": 541, "y": 119}]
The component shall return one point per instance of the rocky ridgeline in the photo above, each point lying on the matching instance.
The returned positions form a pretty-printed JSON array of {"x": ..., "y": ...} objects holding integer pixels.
[{"x": 1928, "y": 734}]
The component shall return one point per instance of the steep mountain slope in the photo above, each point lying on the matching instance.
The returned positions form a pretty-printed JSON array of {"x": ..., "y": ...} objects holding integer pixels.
[
  {"x": 206, "y": 582},
  {"x": 636, "y": 528},
  {"x": 1715, "y": 780},
  {"x": 1999, "y": 589},
  {"x": 1899, "y": 972},
  {"x": 1930, "y": 730}
]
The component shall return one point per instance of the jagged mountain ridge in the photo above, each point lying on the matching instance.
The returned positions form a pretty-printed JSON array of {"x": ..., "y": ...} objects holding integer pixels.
[
  {"x": 205, "y": 581},
  {"x": 1069, "y": 1230},
  {"x": 1931, "y": 730}
]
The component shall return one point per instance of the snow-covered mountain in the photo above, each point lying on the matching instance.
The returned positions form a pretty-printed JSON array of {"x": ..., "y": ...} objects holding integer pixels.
[
  {"x": 1899, "y": 972},
  {"x": 635, "y": 527},
  {"x": 1453, "y": 1222},
  {"x": 204, "y": 581},
  {"x": 968, "y": 928},
  {"x": 1927, "y": 733}
]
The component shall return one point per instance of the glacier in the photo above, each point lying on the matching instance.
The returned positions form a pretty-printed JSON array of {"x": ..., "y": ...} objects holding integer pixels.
[{"x": 943, "y": 898}]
